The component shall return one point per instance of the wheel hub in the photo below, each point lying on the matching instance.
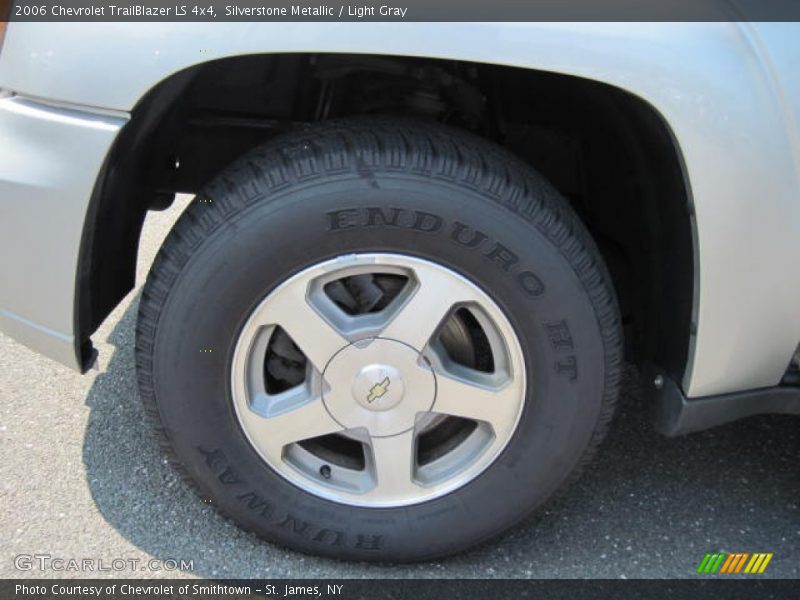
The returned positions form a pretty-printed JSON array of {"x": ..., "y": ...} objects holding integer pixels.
[{"x": 379, "y": 384}]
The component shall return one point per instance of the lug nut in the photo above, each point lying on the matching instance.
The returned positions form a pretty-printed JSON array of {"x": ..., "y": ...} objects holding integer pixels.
[{"x": 658, "y": 382}]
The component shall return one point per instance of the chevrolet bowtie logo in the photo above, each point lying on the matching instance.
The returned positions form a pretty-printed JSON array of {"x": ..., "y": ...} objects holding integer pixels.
[{"x": 378, "y": 390}]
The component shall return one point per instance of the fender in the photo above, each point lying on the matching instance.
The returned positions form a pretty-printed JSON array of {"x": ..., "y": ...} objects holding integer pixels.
[{"x": 732, "y": 109}]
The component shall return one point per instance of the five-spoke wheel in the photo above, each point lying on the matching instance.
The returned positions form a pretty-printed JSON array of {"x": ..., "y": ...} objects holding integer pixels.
[
  {"x": 378, "y": 379},
  {"x": 379, "y": 340}
]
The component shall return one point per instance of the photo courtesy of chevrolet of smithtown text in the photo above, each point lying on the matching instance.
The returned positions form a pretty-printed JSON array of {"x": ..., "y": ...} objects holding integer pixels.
[{"x": 399, "y": 299}]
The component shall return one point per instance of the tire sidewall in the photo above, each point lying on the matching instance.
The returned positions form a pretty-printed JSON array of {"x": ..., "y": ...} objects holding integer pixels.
[{"x": 530, "y": 278}]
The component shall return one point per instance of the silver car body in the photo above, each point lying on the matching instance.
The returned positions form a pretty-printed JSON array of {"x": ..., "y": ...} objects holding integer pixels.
[{"x": 730, "y": 93}]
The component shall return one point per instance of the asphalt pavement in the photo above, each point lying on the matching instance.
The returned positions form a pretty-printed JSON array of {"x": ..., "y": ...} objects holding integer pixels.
[{"x": 81, "y": 477}]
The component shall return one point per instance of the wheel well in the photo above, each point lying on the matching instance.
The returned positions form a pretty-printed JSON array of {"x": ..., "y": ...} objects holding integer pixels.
[{"x": 608, "y": 152}]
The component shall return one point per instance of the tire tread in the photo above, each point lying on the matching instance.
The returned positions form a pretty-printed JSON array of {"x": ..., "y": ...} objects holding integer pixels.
[{"x": 362, "y": 146}]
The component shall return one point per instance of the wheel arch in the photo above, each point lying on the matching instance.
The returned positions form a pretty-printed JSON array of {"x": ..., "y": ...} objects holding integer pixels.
[{"x": 163, "y": 150}]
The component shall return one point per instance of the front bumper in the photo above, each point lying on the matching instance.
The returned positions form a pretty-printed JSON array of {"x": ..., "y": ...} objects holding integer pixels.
[{"x": 50, "y": 158}]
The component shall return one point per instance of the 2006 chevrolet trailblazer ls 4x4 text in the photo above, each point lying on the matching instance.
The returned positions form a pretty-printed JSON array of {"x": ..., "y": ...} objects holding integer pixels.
[{"x": 392, "y": 322}]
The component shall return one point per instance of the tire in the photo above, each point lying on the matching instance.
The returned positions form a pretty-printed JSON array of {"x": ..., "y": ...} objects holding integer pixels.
[{"x": 429, "y": 195}]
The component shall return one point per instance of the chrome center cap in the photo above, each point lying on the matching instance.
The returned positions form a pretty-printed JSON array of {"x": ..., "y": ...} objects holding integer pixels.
[
  {"x": 379, "y": 384},
  {"x": 378, "y": 387}
]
